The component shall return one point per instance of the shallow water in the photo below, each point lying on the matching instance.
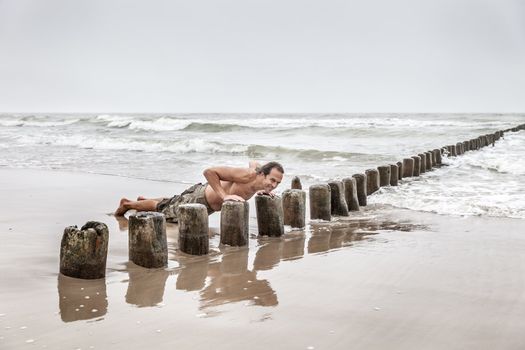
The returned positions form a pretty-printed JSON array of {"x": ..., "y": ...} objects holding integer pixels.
[{"x": 316, "y": 147}]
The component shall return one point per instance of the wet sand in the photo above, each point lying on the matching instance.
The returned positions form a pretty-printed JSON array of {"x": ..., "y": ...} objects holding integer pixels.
[{"x": 384, "y": 278}]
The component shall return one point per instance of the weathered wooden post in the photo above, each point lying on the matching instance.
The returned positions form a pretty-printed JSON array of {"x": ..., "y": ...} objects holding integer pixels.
[
  {"x": 294, "y": 208},
  {"x": 193, "y": 229},
  {"x": 147, "y": 242},
  {"x": 235, "y": 216},
  {"x": 337, "y": 199},
  {"x": 83, "y": 253},
  {"x": 269, "y": 215},
  {"x": 320, "y": 202},
  {"x": 360, "y": 182},
  {"x": 428, "y": 159},
  {"x": 408, "y": 167},
  {"x": 483, "y": 141},
  {"x": 394, "y": 174},
  {"x": 437, "y": 154},
  {"x": 400, "y": 170},
  {"x": 384, "y": 175},
  {"x": 417, "y": 165},
  {"x": 465, "y": 146},
  {"x": 372, "y": 181},
  {"x": 459, "y": 148},
  {"x": 350, "y": 186},
  {"x": 296, "y": 183},
  {"x": 453, "y": 152},
  {"x": 423, "y": 164}
]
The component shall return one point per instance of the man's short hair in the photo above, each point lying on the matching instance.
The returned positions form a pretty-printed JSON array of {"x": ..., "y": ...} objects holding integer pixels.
[{"x": 267, "y": 168}]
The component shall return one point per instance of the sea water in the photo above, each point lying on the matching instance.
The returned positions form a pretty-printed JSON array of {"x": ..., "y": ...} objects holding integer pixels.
[{"x": 315, "y": 147}]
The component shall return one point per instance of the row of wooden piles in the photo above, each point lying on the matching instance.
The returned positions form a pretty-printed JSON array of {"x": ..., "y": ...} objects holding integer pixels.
[{"x": 83, "y": 252}]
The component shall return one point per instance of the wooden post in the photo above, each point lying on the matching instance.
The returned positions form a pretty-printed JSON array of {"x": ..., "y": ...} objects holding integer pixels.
[
  {"x": 394, "y": 174},
  {"x": 437, "y": 154},
  {"x": 384, "y": 175},
  {"x": 294, "y": 208},
  {"x": 428, "y": 159},
  {"x": 400, "y": 170},
  {"x": 352, "y": 200},
  {"x": 296, "y": 183},
  {"x": 459, "y": 148},
  {"x": 372, "y": 181},
  {"x": 337, "y": 199},
  {"x": 193, "y": 229},
  {"x": 269, "y": 215},
  {"x": 417, "y": 165},
  {"x": 408, "y": 167},
  {"x": 235, "y": 216},
  {"x": 147, "y": 243},
  {"x": 83, "y": 253},
  {"x": 320, "y": 202},
  {"x": 423, "y": 164},
  {"x": 452, "y": 151},
  {"x": 360, "y": 182}
]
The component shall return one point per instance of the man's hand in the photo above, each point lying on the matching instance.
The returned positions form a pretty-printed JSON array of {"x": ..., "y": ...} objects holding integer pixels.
[
  {"x": 271, "y": 194},
  {"x": 233, "y": 197}
]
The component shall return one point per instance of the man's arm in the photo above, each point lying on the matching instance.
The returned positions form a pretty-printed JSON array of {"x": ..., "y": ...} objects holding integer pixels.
[{"x": 214, "y": 176}]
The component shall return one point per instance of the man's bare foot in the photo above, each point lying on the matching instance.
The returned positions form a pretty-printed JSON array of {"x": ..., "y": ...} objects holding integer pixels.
[
  {"x": 141, "y": 198},
  {"x": 121, "y": 210}
]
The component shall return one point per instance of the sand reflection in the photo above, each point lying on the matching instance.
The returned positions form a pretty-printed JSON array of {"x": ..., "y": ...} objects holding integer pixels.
[
  {"x": 145, "y": 286},
  {"x": 224, "y": 275},
  {"x": 81, "y": 299},
  {"x": 232, "y": 281}
]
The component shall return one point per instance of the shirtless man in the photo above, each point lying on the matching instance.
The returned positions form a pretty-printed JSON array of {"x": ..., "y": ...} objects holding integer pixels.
[{"x": 224, "y": 183}]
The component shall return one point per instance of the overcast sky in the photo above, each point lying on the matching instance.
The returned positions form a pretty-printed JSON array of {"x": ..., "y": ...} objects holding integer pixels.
[{"x": 262, "y": 56}]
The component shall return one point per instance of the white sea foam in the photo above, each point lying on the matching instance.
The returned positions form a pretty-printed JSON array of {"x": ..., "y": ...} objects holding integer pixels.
[
  {"x": 37, "y": 121},
  {"x": 171, "y": 123},
  {"x": 181, "y": 146},
  {"x": 485, "y": 182}
]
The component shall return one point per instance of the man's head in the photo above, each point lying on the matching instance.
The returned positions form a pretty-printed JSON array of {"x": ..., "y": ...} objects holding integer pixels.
[{"x": 272, "y": 173}]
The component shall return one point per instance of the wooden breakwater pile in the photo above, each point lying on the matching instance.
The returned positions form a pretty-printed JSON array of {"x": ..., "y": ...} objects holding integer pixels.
[{"x": 83, "y": 252}]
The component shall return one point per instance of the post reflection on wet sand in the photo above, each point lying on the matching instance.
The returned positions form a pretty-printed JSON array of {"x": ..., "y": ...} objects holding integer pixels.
[
  {"x": 231, "y": 281},
  {"x": 224, "y": 277},
  {"x": 145, "y": 286},
  {"x": 293, "y": 246},
  {"x": 193, "y": 272},
  {"x": 81, "y": 299}
]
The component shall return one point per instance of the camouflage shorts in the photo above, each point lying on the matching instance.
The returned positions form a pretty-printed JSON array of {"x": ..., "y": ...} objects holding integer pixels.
[{"x": 195, "y": 194}]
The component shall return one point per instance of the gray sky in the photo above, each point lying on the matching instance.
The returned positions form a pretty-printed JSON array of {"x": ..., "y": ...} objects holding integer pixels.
[{"x": 262, "y": 56}]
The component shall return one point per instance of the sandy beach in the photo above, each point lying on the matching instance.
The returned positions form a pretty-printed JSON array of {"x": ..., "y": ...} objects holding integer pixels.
[{"x": 381, "y": 279}]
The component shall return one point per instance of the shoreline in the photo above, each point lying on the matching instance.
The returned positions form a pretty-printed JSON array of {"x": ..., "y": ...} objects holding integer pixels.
[{"x": 386, "y": 278}]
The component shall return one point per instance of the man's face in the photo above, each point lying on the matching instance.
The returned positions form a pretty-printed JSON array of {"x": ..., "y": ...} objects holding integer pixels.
[{"x": 272, "y": 180}]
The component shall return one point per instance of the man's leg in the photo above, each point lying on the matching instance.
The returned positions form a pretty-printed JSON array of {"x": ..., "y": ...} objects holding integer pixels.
[
  {"x": 143, "y": 205},
  {"x": 142, "y": 198}
]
